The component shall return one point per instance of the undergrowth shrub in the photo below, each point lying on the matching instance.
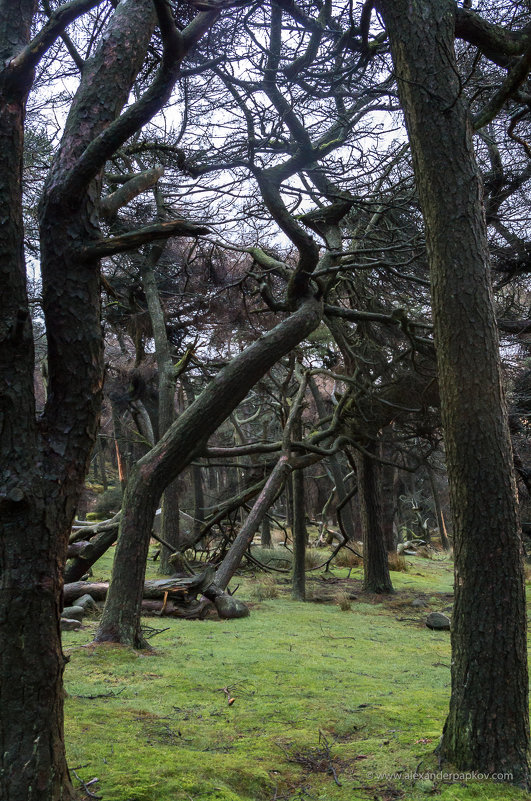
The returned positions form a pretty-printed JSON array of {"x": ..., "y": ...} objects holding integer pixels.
[
  {"x": 313, "y": 558},
  {"x": 342, "y": 599},
  {"x": 397, "y": 562},
  {"x": 108, "y": 503},
  {"x": 264, "y": 588},
  {"x": 347, "y": 558}
]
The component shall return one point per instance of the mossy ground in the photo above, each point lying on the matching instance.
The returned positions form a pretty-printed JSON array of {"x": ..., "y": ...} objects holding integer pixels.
[{"x": 363, "y": 693}]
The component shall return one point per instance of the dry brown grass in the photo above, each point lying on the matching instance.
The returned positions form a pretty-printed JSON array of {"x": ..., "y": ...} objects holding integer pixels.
[
  {"x": 313, "y": 557},
  {"x": 264, "y": 589},
  {"x": 397, "y": 562},
  {"x": 342, "y": 599},
  {"x": 347, "y": 558}
]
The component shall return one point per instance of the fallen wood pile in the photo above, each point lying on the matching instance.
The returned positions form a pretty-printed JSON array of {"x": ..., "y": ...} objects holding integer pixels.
[{"x": 175, "y": 597}]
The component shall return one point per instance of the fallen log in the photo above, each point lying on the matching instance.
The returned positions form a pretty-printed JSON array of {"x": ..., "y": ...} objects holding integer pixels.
[
  {"x": 76, "y": 548},
  {"x": 155, "y": 589},
  {"x": 74, "y": 590},
  {"x": 89, "y": 554},
  {"x": 176, "y": 594},
  {"x": 170, "y": 609},
  {"x": 86, "y": 530}
]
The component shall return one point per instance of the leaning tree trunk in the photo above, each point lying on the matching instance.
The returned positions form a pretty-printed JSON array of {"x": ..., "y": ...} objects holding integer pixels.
[
  {"x": 487, "y": 728},
  {"x": 267, "y": 495},
  {"x": 376, "y": 576},
  {"x": 185, "y": 438},
  {"x": 298, "y": 586}
]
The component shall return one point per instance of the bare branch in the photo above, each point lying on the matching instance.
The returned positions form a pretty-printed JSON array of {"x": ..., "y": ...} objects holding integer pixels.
[
  {"x": 111, "y": 204},
  {"x": 139, "y": 113},
  {"x": 497, "y": 43},
  {"x": 515, "y": 77},
  {"x": 134, "y": 239},
  {"x": 25, "y": 62}
]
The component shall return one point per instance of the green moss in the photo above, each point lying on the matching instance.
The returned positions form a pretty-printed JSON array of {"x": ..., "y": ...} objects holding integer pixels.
[{"x": 373, "y": 684}]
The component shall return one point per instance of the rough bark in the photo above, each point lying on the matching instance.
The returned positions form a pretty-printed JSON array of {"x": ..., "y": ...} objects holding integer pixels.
[
  {"x": 44, "y": 464},
  {"x": 32, "y": 757},
  {"x": 185, "y": 437},
  {"x": 487, "y": 728}
]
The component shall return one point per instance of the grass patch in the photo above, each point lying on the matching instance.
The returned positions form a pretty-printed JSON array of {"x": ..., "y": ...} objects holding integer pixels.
[{"x": 314, "y": 689}]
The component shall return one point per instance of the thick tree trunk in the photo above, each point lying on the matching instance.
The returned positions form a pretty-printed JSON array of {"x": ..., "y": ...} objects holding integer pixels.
[
  {"x": 185, "y": 438},
  {"x": 487, "y": 728},
  {"x": 32, "y": 757},
  {"x": 376, "y": 576},
  {"x": 43, "y": 467}
]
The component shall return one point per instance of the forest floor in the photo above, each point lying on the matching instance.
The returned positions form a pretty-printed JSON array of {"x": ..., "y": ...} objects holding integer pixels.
[{"x": 329, "y": 703}]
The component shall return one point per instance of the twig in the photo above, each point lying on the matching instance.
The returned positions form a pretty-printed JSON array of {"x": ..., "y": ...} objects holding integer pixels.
[
  {"x": 148, "y": 632},
  {"x": 85, "y": 786},
  {"x": 110, "y": 694}
]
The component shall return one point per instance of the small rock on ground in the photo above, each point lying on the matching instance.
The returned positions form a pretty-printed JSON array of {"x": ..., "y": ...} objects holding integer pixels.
[
  {"x": 69, "y": 625},
  {"x": 87, "y": 603},
  {"x": 438, "y": 621},
  {"x": 73, "y": 612}
]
